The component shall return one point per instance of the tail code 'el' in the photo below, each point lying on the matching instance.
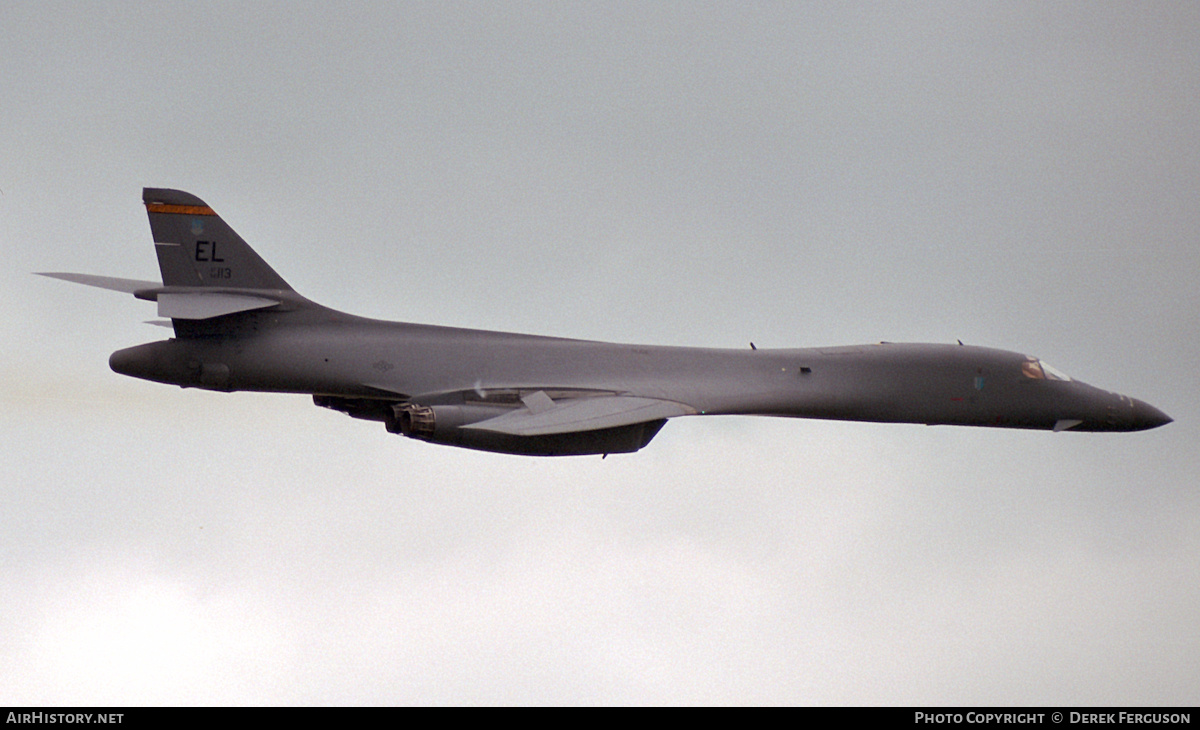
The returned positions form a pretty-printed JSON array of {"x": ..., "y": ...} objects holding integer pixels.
[{"x": 196, "y": 248}]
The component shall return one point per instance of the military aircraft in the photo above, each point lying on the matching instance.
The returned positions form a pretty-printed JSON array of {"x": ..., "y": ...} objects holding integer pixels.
[{"x": 239, "y": 326}]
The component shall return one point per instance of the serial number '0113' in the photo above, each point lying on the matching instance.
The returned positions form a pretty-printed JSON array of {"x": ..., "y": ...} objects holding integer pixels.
[{"x": 220, "y": 272}]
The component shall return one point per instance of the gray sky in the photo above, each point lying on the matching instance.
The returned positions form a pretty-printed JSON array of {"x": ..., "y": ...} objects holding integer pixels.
[{"x": 1017, "y": 175}]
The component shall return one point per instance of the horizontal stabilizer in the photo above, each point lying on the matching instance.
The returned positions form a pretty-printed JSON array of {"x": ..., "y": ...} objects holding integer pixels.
[
  {"x": 128, "y": 286},
  {"x": 581, "y": 414},
  {"x": 206, "y": 305}
]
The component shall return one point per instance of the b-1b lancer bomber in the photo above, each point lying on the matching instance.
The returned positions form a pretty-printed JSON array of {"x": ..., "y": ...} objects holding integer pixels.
[{"x": 239, "y": 326}]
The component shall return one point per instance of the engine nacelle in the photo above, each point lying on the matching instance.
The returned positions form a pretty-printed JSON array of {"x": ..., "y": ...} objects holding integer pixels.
[{"x": 444, "y": 425}]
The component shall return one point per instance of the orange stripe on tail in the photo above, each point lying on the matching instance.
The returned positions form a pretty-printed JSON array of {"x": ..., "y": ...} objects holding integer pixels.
[{"x": 182, "y": 209}]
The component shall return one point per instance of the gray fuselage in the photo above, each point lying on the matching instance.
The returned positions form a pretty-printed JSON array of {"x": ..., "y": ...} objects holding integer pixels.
[
  {"x": 240, "y": 326},
  {"x": 315, "y": 350}
]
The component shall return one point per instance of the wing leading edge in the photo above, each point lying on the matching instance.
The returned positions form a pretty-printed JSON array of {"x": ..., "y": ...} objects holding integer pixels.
[{"x": 543, "y": 416}]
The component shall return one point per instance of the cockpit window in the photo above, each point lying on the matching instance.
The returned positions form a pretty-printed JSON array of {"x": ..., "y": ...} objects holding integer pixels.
[
  {"x": 1053, "y": 373},
  {"x": 1038, "y": 370}
]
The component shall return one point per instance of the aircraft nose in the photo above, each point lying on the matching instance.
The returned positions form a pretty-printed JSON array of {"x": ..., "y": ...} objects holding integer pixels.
[{"x": 1146, "y": 416}]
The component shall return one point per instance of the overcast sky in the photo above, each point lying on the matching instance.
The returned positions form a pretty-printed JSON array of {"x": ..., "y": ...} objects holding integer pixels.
[{"x": 1023, "y": 175}]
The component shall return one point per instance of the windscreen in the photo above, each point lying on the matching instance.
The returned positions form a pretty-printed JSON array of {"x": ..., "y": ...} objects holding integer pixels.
[{"x": 1039, "y": 370}]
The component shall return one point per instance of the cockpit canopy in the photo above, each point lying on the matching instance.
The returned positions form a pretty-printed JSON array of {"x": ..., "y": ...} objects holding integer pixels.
[{"x": 1039, "y": 370}]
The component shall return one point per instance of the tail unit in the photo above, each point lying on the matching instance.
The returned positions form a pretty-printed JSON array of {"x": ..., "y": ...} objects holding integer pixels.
[
  {"x": 210, "y": 275},
  {"x": 208, "y": 271}
]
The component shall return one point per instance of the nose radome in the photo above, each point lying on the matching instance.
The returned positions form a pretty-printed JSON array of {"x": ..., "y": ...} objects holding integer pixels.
[{"x": 1146, "y": 416}]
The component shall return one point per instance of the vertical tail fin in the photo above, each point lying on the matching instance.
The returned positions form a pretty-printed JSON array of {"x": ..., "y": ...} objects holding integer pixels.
[{"x": 196, "y": 248}]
